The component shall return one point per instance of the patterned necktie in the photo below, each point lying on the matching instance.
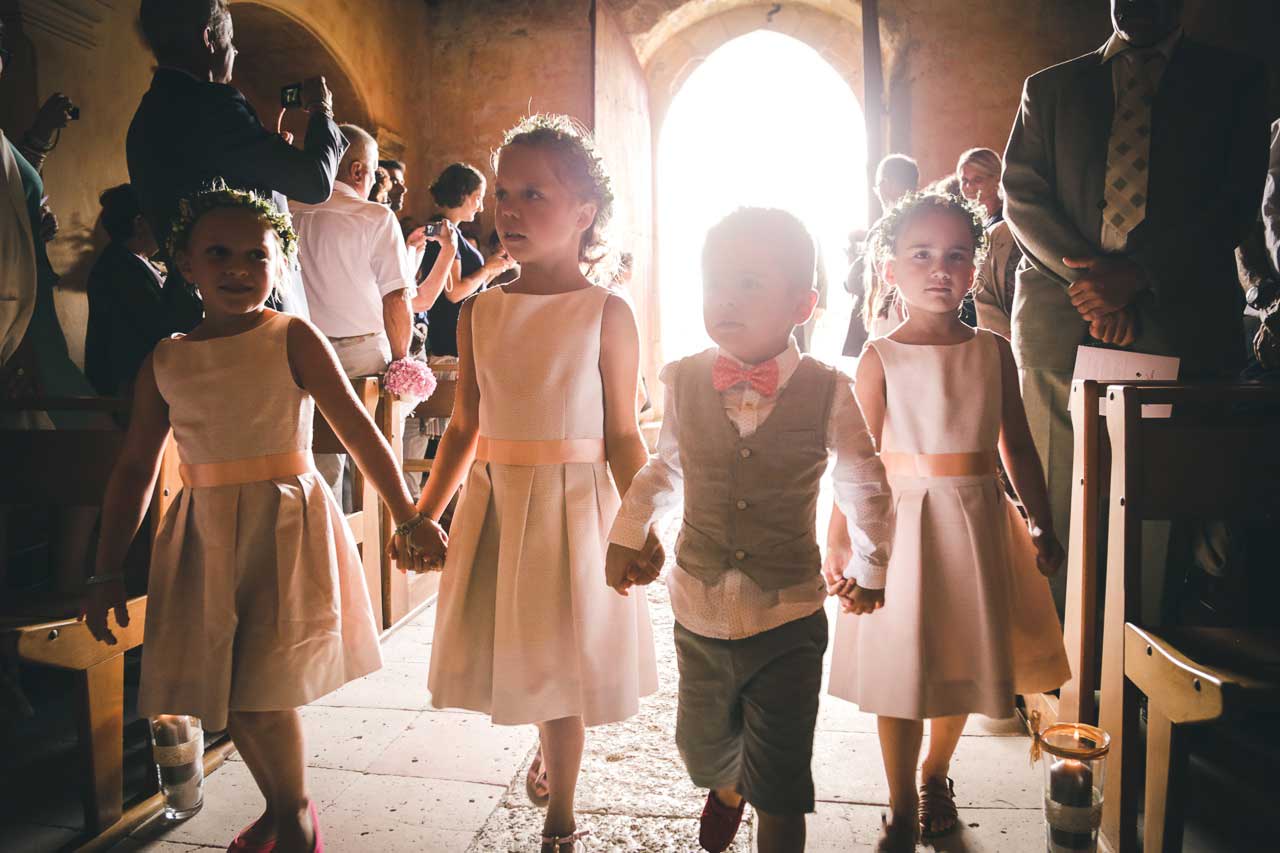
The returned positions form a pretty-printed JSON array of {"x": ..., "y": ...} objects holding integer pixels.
[{"x": 1128, "y": 155}]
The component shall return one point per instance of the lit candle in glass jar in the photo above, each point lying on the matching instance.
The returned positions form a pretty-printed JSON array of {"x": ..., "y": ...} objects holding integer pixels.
[{"x": 1071, "y": 784}]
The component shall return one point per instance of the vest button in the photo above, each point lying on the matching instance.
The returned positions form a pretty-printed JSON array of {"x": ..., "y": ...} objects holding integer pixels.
[
  {"x": 742, "y": 504},
  {"x": 745, "y": 452},
  {"x": 739, "y": 555}
]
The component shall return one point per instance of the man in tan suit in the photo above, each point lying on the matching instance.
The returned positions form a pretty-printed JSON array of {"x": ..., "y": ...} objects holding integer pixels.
[{"x": 1131, "y": 174}]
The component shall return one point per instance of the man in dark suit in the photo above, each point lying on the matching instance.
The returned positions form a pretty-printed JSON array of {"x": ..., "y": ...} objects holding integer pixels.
[
  {"x": 193, "y": 126},
  {"x": 126, "y": 308},
  {"x": 1130, "y": 176}
]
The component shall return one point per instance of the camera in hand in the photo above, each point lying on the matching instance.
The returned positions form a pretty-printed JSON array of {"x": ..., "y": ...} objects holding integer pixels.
[
  {"x": 291, "y": 95},
  {"x": 434, "y": 229}
]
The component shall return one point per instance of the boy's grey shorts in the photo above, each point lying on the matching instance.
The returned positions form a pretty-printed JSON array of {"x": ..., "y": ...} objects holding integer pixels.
[{"x": 748, "y": 709}]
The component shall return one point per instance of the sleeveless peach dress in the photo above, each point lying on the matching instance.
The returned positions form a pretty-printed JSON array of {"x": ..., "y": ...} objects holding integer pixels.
[
  {"x": 257, "y": 599},
  {"x": 527, "y": 629},
  {"x": 968, "y": 621}
]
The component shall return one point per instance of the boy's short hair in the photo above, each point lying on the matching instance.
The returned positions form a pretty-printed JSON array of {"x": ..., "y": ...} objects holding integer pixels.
[
  {"x": 900, "y": 169},
  {"x": 783, "y": 232}
]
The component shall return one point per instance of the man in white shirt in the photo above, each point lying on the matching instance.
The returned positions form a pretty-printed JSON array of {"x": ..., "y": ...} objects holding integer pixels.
[{"x": 357, "y": 271}]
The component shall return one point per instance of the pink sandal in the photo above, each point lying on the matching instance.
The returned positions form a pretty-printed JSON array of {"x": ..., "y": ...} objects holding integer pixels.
[
  {"x": 535, "y": 782},
  {"x": 315, "y": 825},
  {"x": 241, "y": 844}
]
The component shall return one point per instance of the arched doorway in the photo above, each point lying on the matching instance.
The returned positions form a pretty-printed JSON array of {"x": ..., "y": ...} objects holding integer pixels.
[
  {"x": 742, "y": 130},
  {"x": 274, "y": 50}
]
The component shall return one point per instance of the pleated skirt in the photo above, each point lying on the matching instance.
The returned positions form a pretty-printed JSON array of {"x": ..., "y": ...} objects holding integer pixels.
[
  {"x": 527, "y": 629},
  {"x": 257, "y": 601},
  {"x": 968, "y": 621}
]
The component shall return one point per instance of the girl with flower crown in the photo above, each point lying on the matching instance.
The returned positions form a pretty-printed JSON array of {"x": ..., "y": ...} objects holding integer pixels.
[
  {"x": 257, "y": 601},
  {"x": 526, "y": 631}
]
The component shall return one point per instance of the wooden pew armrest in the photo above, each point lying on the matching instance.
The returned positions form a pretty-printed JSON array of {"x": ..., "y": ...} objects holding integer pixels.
[{"x": 67, "y": 643}]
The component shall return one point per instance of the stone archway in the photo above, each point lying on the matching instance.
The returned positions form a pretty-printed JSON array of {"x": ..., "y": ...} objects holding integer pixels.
[
  {"x": 673, "y": 37},
  {"x": 277, "y": 48}
]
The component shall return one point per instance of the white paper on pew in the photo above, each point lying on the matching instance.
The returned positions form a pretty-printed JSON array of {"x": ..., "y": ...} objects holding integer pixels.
[{"x": 1117, "y": 366}]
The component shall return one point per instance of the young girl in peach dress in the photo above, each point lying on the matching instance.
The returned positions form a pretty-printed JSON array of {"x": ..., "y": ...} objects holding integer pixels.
[
  {"x": 256, "y": 602},
  {"x": 527, "y": 631},
  {"x": 964, "y": 621}
]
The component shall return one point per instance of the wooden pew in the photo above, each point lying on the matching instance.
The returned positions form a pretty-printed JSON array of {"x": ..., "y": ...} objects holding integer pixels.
[
  {"x": 365, "y": 520},
  {"x": 1090, "y": 485},
  {"x": 67, "y": 468},
  {"x": 1207, "y": 461}
]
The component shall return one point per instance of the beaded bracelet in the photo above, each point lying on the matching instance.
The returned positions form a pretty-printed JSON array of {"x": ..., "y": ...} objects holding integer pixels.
[{"x": 412, "y": 524}]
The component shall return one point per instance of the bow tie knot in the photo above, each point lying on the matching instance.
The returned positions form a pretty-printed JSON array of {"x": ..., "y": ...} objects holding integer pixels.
[{"x": 763, "y": 377}]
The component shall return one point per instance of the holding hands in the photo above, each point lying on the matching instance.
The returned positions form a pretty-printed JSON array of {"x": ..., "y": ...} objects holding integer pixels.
[
  {"x": 421, "y": 548},
  {"x": 853, "y": 598},
  {"x": 626, "y": 567}
]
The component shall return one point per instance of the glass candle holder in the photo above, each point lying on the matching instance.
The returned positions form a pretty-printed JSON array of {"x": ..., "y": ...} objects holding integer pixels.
[
  {"x": 177, "y": 743},
  {"x": 1075, "y": 762}
]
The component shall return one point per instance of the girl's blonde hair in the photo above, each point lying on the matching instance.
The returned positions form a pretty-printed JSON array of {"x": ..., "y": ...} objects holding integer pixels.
[{"x": 578, "y": 164}]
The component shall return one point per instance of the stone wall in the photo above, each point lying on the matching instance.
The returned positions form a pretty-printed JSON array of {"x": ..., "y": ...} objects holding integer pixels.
[
  {"x": 622, "y": 128},
  {"x": 491, "y": 62}
]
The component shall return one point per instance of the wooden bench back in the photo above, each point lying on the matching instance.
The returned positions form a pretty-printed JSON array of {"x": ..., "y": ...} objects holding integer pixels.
[
  {"x": 1090, "y": 484},
  {"x": 1215, "y": 458}
]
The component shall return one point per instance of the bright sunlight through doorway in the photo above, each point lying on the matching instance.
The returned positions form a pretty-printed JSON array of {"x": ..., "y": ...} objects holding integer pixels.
[{"x": 763, "y": 121}]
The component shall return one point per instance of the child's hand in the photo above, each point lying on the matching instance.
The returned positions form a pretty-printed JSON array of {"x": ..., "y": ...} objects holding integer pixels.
[
  {"x": 839, "y": 553},
  {"x": 104, "y": 597},
  {"x": 617, "y": 564},
  {"x": 1049, "y": 553},
  {"x": 422, "y": 549},
  {"x": 860, "y": 600},
  {"x": 647, "y": 567}
]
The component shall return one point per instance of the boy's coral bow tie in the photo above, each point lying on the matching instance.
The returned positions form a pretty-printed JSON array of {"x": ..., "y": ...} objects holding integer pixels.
[{"x": 726, "y": 373}]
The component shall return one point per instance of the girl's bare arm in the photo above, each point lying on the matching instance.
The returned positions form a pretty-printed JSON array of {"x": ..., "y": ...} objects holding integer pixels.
[
  {"x": 316, "y": 370},
  {"x": 620, "y": 371},
  {"x": 1017, "y": 448},
  {"x": 134, "y": 476},
  {"x": 458, "y": 444}
]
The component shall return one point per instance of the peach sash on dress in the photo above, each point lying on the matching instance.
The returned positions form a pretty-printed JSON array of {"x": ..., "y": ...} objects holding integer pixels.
[
  {"x": 939, "y": 464},
  {"x": 254, "y": 469},
  {"x": 551, "y": 452}
]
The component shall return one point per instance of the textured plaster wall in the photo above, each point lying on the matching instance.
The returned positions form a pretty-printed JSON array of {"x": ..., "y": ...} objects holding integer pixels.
[
  {"x": 491, "y": 62},
  {"x": 622, "y": 128}
]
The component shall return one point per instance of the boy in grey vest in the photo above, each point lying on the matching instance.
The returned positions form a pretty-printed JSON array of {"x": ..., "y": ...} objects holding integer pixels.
[{"x": 747, "y": 432}]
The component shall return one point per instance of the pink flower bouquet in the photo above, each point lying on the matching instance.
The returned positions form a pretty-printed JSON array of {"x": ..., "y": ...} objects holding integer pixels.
[{"x": 410, "y": 380}]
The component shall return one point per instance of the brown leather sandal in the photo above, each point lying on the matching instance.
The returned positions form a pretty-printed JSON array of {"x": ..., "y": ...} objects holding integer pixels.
[
  {"x": 937, "y": 802},
  {"x": 899, "y": 836},
  {"x": 535, "y": 782}
]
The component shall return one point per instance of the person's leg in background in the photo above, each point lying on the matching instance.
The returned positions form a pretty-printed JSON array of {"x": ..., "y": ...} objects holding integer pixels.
[
  {"x": 365, "y": 355},
  {"x": 1045, "y": 395}
]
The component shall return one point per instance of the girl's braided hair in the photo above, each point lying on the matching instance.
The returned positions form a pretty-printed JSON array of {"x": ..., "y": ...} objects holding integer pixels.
[
  {"x": 218, "y": 196},
  {"x": 578, "y": 164}
]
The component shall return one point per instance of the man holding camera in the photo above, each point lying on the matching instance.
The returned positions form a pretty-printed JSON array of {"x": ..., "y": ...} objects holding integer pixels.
[{"x": 193, "y": 127}]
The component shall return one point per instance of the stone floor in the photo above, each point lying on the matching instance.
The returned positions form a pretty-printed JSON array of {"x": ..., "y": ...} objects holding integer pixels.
[{"x": 390, "y": 775}]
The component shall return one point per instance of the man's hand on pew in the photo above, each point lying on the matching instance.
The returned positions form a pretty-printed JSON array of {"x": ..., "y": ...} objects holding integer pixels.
[
  {"x": 103, "y": 597},
  {"x": 1049, "y": 553}
]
